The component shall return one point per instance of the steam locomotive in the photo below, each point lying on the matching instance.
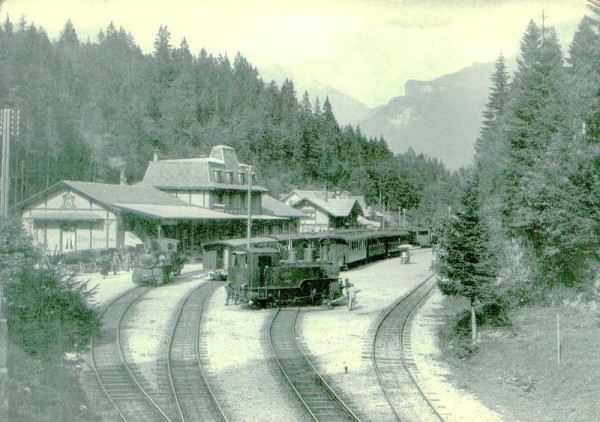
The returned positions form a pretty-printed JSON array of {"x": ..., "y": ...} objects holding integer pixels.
[
  {"x": 266, "y": 276},
  {"x": 297, "y": 269},
  {"x": 156, "y": 265}
]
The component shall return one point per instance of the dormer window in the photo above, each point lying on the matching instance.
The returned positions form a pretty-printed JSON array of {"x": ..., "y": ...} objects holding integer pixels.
[
  {"x": 230, "y": 177},
  {"x": 242, "y": 178},
  {"x": 217, "y": 176}
]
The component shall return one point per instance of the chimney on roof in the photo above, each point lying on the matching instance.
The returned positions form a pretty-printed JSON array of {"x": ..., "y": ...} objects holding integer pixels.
[
  {"x": 122, "y": 178},
  {"x": 156, "y": 154}
]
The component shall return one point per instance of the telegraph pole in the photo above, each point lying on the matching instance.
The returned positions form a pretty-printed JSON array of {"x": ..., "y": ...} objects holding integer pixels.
[
  {"x": 3, "y": 361},
  {"x": 249, "y": 226},
  {"x": 9, "y": 125},
  {"x": 9, "y": 122}
]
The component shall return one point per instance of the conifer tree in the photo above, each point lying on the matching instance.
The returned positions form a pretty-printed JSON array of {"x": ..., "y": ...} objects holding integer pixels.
[
  {"x": 584, "y": 82},
  {"x": 464, "y": 263},
  {"x": 491, "y": 146},
  {"x": 537, "y": 112}
]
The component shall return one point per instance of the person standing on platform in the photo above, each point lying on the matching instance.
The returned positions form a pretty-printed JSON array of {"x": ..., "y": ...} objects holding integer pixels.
[
  {"x": 115, "y": 262},
  {"x": 228, "y": 291},
  {"x": 127, "y": 261},
  {"x": 351, "y": 292}
]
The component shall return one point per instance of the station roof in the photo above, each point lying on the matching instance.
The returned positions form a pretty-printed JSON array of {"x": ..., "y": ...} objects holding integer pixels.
[
  {"x": 177, "y": 212},
  {"x": 108, "y": 194},
  {"x": 125, "y": 194},
  {"x": 325, "y": 195},
  {"x": 362, "y": 234},
  {"x": 277, "y": 208},
  {"x": 296, "y": 236},
  {"x": 241, "y": 242},
  {"x": 142, "y": 200},
  {"x": 333, "y": 207},
  {"x": 195, "y": 173}
]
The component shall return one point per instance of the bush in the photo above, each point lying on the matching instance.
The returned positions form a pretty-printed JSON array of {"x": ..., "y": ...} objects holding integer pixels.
[{"x": 48, "y": 316}]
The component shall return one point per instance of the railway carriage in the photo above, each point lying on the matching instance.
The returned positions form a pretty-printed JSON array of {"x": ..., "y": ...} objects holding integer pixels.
[
  {"x": 351, "y": 249},
  {"x": 296, "y": 268}
]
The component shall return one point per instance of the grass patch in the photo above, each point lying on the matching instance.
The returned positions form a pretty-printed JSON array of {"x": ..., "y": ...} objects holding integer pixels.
[{"x": 514, "y": 369}]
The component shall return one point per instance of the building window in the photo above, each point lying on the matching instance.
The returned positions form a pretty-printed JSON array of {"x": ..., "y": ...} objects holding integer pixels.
[
  {"x": 242, "y": 178},
  {"x": 230, "y": 177},
  {"x": 217, "y": 176},
  {"x": 309, "y": 212}
]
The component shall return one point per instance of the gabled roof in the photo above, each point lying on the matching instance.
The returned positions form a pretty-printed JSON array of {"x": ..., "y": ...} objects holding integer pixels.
[
  {"x": 326, "y": 196},
  {"x": 333, "y": 207},
  {"x": 277, "y": 208},
  {"x": 108, "y": 194},
  {"x": 138, "y": 199}
]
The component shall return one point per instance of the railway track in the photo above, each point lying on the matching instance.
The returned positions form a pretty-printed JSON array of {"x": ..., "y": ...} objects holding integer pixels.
[
  {"x": 193, "y": 395},
  {"x": 392, "y": 358},
  {"x": 314, "y": 393},
  {"x": 114, "y": 375},
  {"x": 124, "y": 384}
]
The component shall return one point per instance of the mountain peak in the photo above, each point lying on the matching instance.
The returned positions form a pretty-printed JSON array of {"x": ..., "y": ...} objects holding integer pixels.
[{"x": 440, "y": 118}]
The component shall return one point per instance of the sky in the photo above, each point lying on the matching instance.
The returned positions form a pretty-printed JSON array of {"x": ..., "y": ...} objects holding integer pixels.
[{"x": 367, "y": 49}]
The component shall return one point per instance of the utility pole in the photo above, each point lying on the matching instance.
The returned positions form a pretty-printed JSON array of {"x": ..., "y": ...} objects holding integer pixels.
[
  {"x": 249, "y": 226},
  {"x": 9, "y": 125},
  {"x": 9, "y": 122},
  {"x": 3, "y": 361}
]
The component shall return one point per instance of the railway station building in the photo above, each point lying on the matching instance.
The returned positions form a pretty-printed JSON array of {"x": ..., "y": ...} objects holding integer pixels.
[
  {"x": 193, "y": 200},
  {"x": 329, "y": 210}
]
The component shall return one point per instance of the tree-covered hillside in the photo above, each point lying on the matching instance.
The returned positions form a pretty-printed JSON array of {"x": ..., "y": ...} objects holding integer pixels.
[{"x": 88, "y": 108}]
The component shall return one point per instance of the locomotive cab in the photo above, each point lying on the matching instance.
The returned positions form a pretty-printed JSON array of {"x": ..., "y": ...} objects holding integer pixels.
[{"x": 261, "y": 276}]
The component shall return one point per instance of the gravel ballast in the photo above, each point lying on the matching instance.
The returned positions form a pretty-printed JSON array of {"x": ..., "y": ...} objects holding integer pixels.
[{"x": 240, "y": 364}]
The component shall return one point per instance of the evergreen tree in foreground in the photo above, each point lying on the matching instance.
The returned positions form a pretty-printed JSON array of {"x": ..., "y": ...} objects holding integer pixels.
[{"x": 464, "y": 264}]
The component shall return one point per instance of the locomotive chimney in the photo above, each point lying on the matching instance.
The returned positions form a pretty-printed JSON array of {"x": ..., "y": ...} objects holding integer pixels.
[
  {"x": 156, "y": 154},
  {"x": 122, "y": 178}
]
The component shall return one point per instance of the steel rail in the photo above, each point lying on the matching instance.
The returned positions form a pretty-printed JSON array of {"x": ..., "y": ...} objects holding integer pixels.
[
  {"x": 123, "y": 363},
  {"x": 317, "y": 385},
  {"x": 194, "y": 299},
  {"x": 393, "y": 325},
  {"x": 130, "y": 372},
  {"x": 136, "y": 294}
]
